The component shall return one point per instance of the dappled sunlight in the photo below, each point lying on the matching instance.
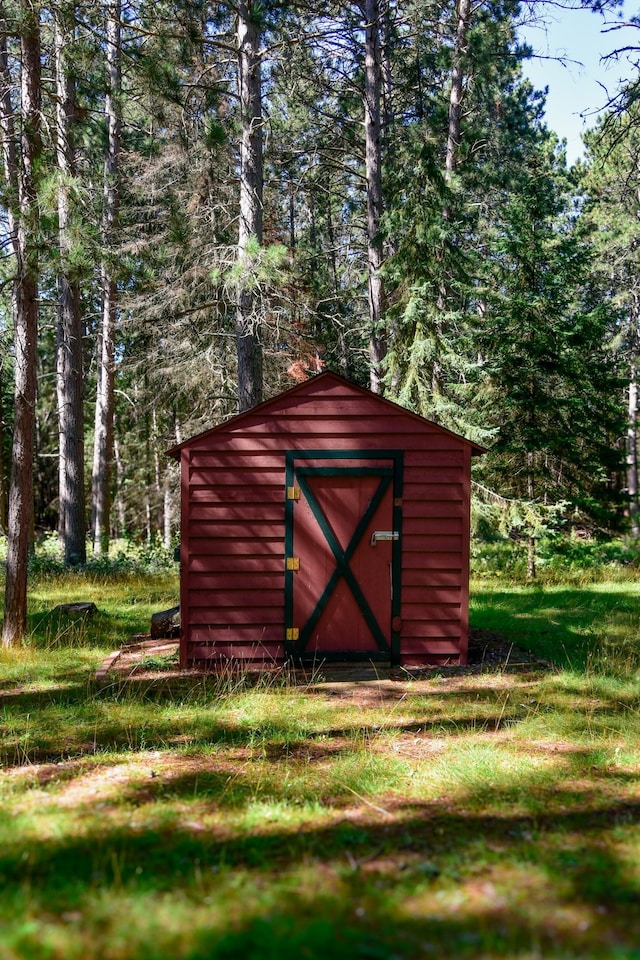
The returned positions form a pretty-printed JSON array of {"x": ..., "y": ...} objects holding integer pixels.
[
  {"x": 596, "y": 625},
  {"x": 387, "y": 870},
  {"x": 487, "y": 901},
  {"x": 491, "y": 815},
  {"x": 22, "y": 670}
]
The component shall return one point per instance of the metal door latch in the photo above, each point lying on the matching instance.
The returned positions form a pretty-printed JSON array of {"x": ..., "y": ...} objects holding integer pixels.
[{"x": 383, "y": 535}]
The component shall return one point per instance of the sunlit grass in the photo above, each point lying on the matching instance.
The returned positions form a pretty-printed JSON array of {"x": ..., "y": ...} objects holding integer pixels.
[
  {"x": 493, "y": 815},
  {"x": 595, "y": 624},
  {"x": 125, "y": 604}
]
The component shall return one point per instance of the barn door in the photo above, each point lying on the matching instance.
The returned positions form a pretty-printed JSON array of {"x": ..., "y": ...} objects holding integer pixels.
[{"x": 343, "y": 554}]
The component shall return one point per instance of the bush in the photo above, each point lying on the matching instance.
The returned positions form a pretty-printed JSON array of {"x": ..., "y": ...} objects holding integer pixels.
[
  {"x": 125, "y": 557},
  {"x": 559, "y": 557}
]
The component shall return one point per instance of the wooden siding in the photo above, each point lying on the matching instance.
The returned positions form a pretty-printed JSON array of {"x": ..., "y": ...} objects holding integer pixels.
[
  {"x": 233, "y": 565},
  {"x": 233, "y": 522}
]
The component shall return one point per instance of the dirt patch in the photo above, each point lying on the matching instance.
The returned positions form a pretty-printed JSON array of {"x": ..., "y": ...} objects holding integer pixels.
[
  {"x": 146, "y": 658},
  {"x": 488, "y": 649},
  {"x": 141, "y": 657}
]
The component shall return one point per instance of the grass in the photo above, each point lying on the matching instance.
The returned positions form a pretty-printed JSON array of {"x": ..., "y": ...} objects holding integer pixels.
[
  {"x": 572, "y": 626},
  {"x": 493, "y": 815}
]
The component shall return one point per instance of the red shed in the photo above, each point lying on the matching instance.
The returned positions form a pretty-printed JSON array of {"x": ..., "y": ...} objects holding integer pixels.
[{"x": 325, "y": 524}]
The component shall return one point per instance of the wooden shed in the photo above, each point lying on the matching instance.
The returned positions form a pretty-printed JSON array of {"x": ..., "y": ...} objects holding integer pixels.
[{"x": 325, "y": 524}]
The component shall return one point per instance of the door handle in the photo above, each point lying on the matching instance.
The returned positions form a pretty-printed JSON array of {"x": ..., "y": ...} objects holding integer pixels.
[{"x": 383, "y": 535}]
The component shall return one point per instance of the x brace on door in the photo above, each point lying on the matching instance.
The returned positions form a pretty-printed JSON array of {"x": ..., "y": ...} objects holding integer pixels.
[
  {"x": 342, "y": 557},
  {"x": 388, "y": 475}
]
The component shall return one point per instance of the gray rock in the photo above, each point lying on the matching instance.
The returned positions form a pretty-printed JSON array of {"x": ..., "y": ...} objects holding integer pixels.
[
  {"x": 79, "y": 608},
  {"x": 166, "y": 623}
]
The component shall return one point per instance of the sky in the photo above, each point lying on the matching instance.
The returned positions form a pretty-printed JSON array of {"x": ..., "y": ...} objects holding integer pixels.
[{"x": 579, "y": 88}]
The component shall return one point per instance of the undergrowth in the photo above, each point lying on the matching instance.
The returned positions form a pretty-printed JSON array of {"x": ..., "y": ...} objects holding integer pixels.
[
  {"x": 125, "y": 557},
  {"x": 559, "y": 559}
]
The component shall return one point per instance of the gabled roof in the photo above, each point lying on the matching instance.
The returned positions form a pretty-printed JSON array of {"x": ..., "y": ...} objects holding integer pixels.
[{"x": 309, "y": 388}]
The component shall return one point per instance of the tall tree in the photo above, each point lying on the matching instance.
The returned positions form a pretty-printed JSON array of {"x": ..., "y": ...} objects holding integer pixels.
[
  {"x": 469, "y": 121},
  {"x": 104, "y": 413},
  {"x": 249, "y": 350},
  {"x": 70, "y": 381},
  {"x": 373, "y": 16},
  {"x": 552, "y": 381},
  {"x": 610, "y": 180},
  {"x": 21, "y": 162},
  {"x": 3, "y": 441}
]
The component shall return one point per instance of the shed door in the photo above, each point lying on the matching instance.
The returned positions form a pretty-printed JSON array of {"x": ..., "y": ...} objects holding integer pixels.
[{"x": 344, "y": 540}]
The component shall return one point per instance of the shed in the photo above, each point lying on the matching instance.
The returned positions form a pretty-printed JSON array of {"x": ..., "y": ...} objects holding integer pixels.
[{"x": 325, "y": 524}]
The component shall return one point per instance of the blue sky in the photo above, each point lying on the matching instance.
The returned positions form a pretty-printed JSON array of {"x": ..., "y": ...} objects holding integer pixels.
[{"x": 578, "y": 89}]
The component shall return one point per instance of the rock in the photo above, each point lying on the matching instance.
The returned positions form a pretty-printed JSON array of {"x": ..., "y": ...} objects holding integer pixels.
[
  {"x": 80, "y": 608},
  {"x": 166, "y": 623}
]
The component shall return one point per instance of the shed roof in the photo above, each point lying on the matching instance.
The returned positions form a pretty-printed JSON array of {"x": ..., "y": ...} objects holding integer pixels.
[{"x": 314, "y": 387}]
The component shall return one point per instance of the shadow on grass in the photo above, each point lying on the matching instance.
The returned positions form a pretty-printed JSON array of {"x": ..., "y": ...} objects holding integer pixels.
[
  {"x": 564, "y": 626},
  {"x": 82, "y": 718},
  {"x": 53, "y": 630},
  {"x": 408, "y": 907},
  {"x": 515, "y": 868}
]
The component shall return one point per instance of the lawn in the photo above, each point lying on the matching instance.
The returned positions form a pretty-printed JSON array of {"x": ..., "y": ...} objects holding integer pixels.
[{"x": 487, "y": 815}]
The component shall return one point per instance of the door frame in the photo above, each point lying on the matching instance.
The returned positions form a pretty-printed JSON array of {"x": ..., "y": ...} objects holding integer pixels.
[{"x": 294, "y": 648}]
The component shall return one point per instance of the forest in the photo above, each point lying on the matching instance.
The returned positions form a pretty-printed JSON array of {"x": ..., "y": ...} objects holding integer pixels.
[{"x": 203, "y": 204}]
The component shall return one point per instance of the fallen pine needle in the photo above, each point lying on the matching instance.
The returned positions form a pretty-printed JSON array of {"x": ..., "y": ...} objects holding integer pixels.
[{"x": 368, "y": 802}]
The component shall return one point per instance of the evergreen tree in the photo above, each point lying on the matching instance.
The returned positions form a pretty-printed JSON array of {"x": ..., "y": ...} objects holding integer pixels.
[
  {"x": 543, "y": 337},
  {"x": 21, "y": 168},
  {"x": 69, "y": 348},
  {"x": 610, "y": 181}
]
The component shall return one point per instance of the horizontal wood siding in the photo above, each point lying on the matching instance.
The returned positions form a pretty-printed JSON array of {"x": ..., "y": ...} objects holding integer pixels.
[
  {"x": 235, "y": 564},
  {"x": 267, "y": 638},
  {"x": 246, "y": 652},
  {"x": 233, "y": 523},
  {"x": 435, "y": 536}
]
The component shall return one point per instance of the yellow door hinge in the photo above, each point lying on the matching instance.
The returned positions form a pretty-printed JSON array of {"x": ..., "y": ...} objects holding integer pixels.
[
  {"x": 293, "y": 493},
  {"x": 293, "y": 563},
  {"x": 293, "y": 633}
]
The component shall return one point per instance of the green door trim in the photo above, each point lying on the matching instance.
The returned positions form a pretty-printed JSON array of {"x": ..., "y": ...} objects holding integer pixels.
[
  {"x": 342, "y": 557},
  {"x": 388, "y": 474}
]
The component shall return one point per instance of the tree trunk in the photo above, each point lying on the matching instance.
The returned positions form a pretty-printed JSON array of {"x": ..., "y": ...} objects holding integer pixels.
[
  {"x": 454, "y": 132},
  {"x": 3, "y": 472},
  {"x": 463, "y": 14},
  {"x": 104, "y": 417},
  {"x": 167, "y": 513},
  {"x": 121, "y": 510},
  {"x": 158, "y": 479},
  {"x": 249, "y": 349},
  {"x": 147, "y": 518},
  {"x": 632, "y": 449},
  {"x": 69, "y": 380},
  {"x": 24, "y": 228},
  {"x": 531, "y": 540},
  {"x": 373, "y": 171}
]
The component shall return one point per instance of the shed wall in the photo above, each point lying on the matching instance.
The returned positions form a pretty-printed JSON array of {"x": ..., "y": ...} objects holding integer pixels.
[{"x": 233, "y": 525}]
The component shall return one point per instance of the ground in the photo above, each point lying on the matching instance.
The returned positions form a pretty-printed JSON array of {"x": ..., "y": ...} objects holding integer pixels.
[{"x": 146, "y": 658}]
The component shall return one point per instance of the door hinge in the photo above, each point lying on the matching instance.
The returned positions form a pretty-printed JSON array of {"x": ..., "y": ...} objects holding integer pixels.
[
  {"x": 293, "y": 493},
  {"x": 293, "y": 563},
  {"x": 293, "y": 633}
]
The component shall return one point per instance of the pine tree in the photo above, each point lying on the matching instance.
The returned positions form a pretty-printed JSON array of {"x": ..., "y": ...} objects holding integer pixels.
[
  {"x": 69, "y": 350},
  {"x": 610, "y": 181},
  {"x": 552, "y": 384},
  {"x": 21, "y": 163},
  {"x": 105, "y": 380}
]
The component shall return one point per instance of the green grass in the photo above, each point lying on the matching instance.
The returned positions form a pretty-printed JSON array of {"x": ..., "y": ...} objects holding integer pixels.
[
  {"x": 493, "y": 815},
  {"x": 568, "y": 625}
]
